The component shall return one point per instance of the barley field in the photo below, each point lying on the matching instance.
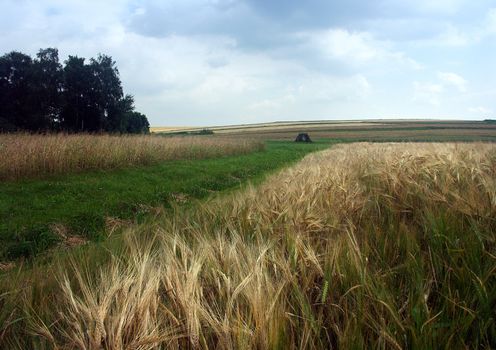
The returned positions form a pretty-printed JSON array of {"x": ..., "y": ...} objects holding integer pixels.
[
  {"x": 34, "y": 156},
  {"x": 363, "y": 245}
]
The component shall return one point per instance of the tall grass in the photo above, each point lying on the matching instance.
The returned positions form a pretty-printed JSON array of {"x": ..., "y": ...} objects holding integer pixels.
[
  {"x": 361, "y": 246},
  {"x": 28, "y": 156}
]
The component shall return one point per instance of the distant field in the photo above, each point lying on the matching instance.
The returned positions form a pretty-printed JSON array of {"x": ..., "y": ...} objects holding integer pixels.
[
  {"x": 168, "y": 128},
  {"x": 347, "y": 131},
  {"x": 257, "y": 126}
]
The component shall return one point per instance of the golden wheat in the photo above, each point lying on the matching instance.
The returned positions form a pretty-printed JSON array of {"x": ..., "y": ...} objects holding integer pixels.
[
  {"x": 23, "y": 155},
  {"x": 363, "y": 245}
]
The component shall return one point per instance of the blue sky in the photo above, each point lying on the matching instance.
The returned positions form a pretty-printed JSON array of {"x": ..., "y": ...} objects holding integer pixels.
[{"x": 214, "y": 62}]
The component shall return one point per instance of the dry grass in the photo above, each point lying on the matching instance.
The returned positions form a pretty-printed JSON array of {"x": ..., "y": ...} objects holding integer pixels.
[
  {"x": 27, "y": 156},
  {"x": 361, "y": 246}
]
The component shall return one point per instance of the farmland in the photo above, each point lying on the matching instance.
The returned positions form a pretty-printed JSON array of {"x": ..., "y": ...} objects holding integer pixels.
[
  {"x": 29, "y": 156},
  {"x": 246, "y": 174},
  {"x": 46, "y": 208},
  {"x": 387, "y": 245},
  {"x": 195, "y": 237},
  {"x": 354, "y": 131}
]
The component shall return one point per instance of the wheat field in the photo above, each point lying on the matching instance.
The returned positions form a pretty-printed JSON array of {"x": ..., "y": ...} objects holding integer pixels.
[
  {"x": 34, "y": 156},
  {"x": 363, "y": 245}
]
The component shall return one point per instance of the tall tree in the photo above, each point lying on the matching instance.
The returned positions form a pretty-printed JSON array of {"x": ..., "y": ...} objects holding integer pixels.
[
  {"x": 41, "y": 95},
  {"x": 107, "y": 88},
  {"x": 117, "y": 119},
  {"x": 79, "y": 111},
  {"x": 16, "y": 91},
  {"x": 137, "y": 123},
  {"x": 48, "y": 79}
]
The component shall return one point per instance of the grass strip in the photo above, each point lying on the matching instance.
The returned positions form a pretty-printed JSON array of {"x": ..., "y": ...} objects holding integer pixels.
[{"x": 38, "y": 214}]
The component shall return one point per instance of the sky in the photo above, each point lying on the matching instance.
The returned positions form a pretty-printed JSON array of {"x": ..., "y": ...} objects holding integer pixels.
[{"x": 218, "y": 62}]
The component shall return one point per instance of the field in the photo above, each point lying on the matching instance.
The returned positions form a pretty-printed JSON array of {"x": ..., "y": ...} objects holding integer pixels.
[
  {"x": 29, "y": 156},
  {"x": 244, "y": 239},
  {"x": 358, "y": 246},
  {"x": 349, "y": 131},
  {"x": 39, "y": 214}
]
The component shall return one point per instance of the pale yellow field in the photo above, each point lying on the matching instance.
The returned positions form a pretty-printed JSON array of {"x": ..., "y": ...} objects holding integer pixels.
[
  {"x": 155, "y": 129},
  {"x": 297, "y": 125}
]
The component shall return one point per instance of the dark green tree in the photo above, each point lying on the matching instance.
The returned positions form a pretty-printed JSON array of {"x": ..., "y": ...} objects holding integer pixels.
[
  {"x": 42, "y": 95},
  {"x": 108, "y": 92},
  {"x": 16, "y": 80},
  {"x": 124, "y": 119},
  {"x": 80, "y": 106},
  {"x": 117, "y": 118},
  {"x": 137, "y": 123},
  {"x": 47, "y": 88},
  {"x": 92, "y": 95}
]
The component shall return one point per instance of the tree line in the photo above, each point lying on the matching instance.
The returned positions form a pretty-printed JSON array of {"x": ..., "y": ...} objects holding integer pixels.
[{"x": 40, "y": 94}]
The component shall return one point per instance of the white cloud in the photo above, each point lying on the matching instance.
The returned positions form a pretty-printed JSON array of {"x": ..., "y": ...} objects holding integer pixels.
[
  {"x": 427, "y": 92},
  {"x": 480, "y": 110},
  {"x": 318, "y": 93},
  {"x": 430, "y": 7},
  {"x": 356, "y": 48},
  {"x": 433, "y": 92},
  {"x": 455, "y": 35},
  {"x": 342, "y": 44},
  {"x": 327, "y": 88},
  {"x": 490, "y": 23},
  {"x": 271, "y": 106},
  {"x": 451, "y": 36},
  {"x": 453, "y": 79}
]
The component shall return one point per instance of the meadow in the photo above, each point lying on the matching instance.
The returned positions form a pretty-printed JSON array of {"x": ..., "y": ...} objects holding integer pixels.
[
  {"x": 363, "y": 245},
  {"x": 35, "y": 156}
]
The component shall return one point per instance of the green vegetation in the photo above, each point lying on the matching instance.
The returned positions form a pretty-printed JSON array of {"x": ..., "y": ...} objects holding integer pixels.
[
  {"x": 41, "y": 95},
  {"x": 370, "y": 245},
  {"x": 34, "y": 212},
  {"x": 24, "y": 156},
  {"x": 361, "y": 246}
]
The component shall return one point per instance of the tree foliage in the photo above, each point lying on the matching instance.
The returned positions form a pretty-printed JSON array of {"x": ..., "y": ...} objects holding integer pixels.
[{"x": 41, "y": 94}]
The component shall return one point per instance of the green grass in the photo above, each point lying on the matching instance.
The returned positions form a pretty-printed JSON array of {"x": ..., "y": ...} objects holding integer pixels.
[{"x": 82, "y": 202}]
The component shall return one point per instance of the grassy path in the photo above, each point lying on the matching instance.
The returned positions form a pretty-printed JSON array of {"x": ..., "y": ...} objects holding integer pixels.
[{"x": 81, "y": 203}]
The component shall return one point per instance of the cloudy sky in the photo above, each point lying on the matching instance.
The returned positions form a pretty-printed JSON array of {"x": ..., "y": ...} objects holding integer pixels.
[{"x": 214, "y": 62}]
